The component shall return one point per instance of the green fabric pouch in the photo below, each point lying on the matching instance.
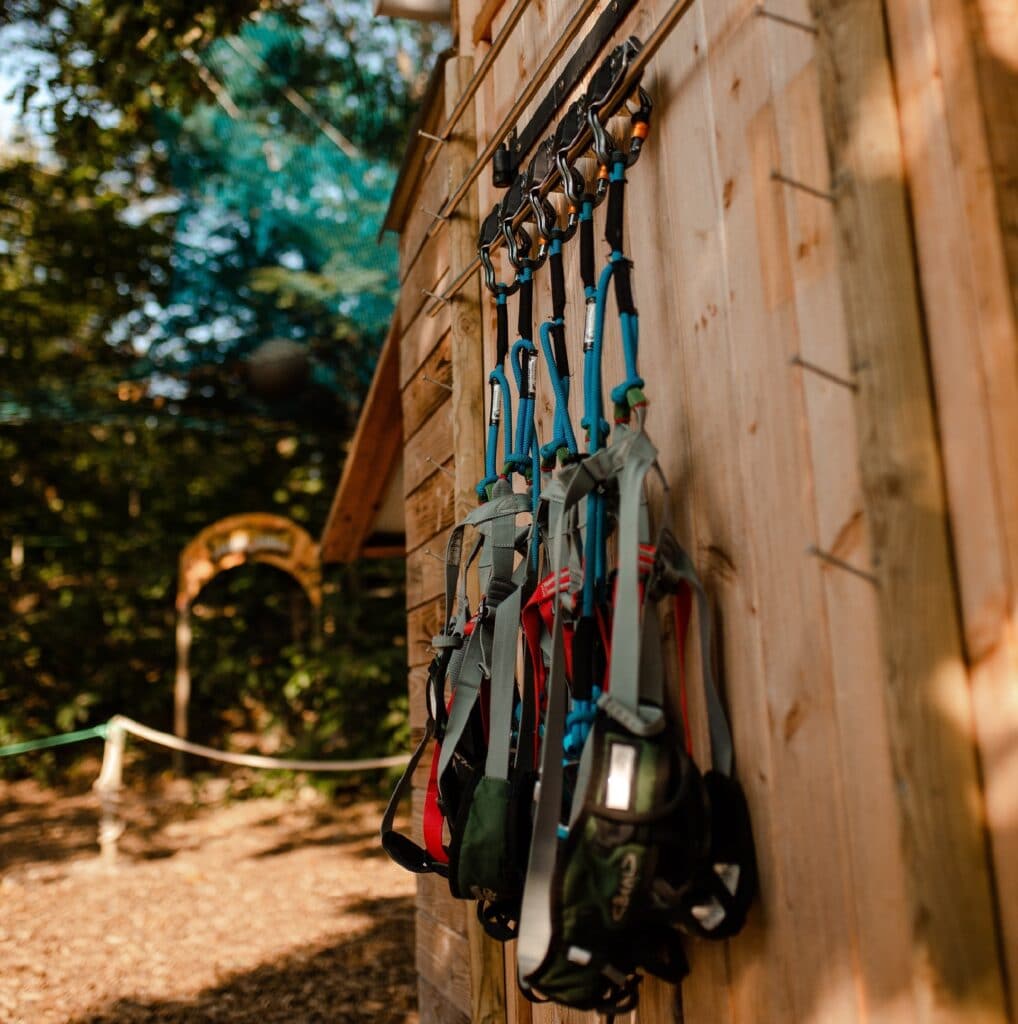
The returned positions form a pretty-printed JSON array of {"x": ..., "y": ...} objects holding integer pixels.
[
  {"x": 485, "y": 868},
  {"x": 606, "y": 921}
]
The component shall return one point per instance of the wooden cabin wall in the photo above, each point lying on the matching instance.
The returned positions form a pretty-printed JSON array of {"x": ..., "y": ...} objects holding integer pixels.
[
  {"x": 786, "y": 350},
  {"x": 425, "y": 376}
]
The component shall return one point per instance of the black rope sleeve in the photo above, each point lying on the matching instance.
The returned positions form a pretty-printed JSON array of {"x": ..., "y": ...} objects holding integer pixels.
[
  {"x": 558, "y": 285},
  {"x": 587, "y": 272},
  {"x": 502, "y": 334},
  {"x": 558, "y": 340},
  {"x": 624, "y": 286},
  {"x": 613, "y": 225},
  {"x": 525, "y": 320}
]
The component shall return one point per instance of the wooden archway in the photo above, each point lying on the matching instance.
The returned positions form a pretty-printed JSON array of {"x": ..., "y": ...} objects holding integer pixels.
[{"x": 226, "y": 544}]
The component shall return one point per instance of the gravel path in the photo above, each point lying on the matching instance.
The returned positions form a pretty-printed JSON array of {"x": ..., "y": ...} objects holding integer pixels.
[{"x": 262, "y": 910}]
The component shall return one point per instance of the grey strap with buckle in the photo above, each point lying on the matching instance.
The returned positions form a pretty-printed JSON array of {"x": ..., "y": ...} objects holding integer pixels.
[{"x": 496, "y": 518}]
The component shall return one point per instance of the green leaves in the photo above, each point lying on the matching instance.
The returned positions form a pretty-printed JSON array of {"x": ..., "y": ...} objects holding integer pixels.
[{"x": 170, "y": 208}]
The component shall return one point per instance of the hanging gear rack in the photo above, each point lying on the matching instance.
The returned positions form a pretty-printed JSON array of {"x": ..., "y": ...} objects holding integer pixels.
[
  {"x": 623, "y": 846},
  {"x": 669, "y": 20}
]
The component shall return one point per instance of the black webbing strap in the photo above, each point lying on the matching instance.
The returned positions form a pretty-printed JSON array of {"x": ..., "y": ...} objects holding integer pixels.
[
  {"x": 525, "y": 315},
  {"x": 613, "y": 235},
  {"x": 557, "y": 273},
  {"x": 588, "y": 271},
  {"x": 502, "y": 328}
]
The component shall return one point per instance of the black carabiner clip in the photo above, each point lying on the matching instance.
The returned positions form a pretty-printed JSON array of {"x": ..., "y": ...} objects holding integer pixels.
[
  {"x": 491, "y": 229},
  {"x": 603, "y": 88},
  {"x": 567, "y": 136},
  {"x": 542, "y": 169},
  {"x": 640, "y": 120},
  {"x": 517, "y": 240}
]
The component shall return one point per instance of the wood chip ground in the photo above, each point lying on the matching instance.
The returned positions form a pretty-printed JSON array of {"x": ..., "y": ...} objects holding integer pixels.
[{"x": 261, "y": 910}]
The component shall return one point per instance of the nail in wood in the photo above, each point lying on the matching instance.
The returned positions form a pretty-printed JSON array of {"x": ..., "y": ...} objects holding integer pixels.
[
  {"x": 803, "y": 26},
  {"x": 826, "y": 556},
  {"x": 802, "y": 186},
  {"x": 834, "y": 378},
  {"x": 438, "y": 465}
]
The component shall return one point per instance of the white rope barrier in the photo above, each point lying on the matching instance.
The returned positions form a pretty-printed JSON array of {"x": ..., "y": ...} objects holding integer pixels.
[
  {"x": 110, "y": 781},
  {"x": 252, "y": 760}
]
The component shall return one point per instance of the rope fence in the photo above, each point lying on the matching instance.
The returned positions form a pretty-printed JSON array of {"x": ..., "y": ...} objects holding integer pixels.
[
  {"x": 110, "y": 781},
  {"x": 176, "y": 743},
  {"x": 63, "y": 739},
  {"x": 251, "y": 760}
]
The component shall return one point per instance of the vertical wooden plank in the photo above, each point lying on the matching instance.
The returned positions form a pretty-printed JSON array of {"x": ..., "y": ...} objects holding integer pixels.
[
  {"x": 878, "y": 870},
  {"x": 964, "y": 279},
  {"x": 970, "y": 319},
  {"x": 467, "y": 354},
  {"x": 487, "y": 968},
  {"x": 955, "y": 963},
  {"x": 808, "y": 933},
  {"x": 994, "y": 30}
]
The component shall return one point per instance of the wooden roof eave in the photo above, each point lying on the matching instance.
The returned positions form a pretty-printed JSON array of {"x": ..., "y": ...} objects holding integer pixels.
[
  {"x": 428, "y": 116},
  {"x": 370, "y": 464}
]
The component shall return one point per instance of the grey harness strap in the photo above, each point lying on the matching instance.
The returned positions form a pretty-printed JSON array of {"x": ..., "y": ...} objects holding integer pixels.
[
  {"x": 497, "y": 519},
  {"x": 634, "y": 694},
  {"x": 536, "y": 926},
  {"x": 504, "y": 647},
  {"x": 634, "y": 457},
  {"x": 535, "y": 931}
]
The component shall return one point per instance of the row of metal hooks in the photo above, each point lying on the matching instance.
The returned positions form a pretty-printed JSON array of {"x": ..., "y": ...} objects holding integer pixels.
[
  {"x": 611, "y": 92},
  {"x": 582, "y": 141}
]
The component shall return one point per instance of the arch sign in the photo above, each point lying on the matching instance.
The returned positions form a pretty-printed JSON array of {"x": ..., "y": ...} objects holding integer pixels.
[{"x": 226, "y": 544}]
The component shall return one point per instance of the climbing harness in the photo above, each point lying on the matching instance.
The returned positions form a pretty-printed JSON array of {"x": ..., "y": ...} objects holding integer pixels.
[
  {"x": 563, "y": 795},
  {"x": 481, "y": 725},
  {"x": 642, "y": 845}
]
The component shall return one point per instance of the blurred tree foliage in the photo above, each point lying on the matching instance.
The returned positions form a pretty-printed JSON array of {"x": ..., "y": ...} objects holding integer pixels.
[{"x": 168, "y": 208}]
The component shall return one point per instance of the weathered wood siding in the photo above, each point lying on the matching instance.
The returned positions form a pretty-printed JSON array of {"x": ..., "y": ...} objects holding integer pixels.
[
  {"x": 425, "y": 376},
  {"x": 823, "y": 236},
  {"x": 850, "y": 691}
]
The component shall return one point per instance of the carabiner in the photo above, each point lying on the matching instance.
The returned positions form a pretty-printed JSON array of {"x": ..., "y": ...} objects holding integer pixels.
[
  {"x": 516, "y": 202},
  {"x": 567, "y": 136},
  {"x": 640, "y": 120},
  {"x": 491, "y": 228},
  {"x": 603, "y": 88},
  {"x": 542, "y": 169},
  {"x": 539, "y": 171}
]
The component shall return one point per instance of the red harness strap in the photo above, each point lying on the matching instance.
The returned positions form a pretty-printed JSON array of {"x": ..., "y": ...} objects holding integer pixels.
[
  {"x": 434, "y": 819},
  {"x": 538, "y": 615}
]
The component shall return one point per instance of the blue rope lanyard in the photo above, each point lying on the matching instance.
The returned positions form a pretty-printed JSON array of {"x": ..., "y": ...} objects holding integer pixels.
[
  {"x": 524, "y": 458},
  {"x": 552, "y": 332},
  {"x": 627, "y": 395},
  {"x": 593, "y": 404},
  {"x": 523, "y": 360},
  {"x": 500, "y": 410}
]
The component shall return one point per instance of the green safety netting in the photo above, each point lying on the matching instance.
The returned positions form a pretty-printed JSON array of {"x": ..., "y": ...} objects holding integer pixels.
[{"x": 283, "y": 192}]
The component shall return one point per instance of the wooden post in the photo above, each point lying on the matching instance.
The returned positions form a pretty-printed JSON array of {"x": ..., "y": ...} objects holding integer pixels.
[
  {"x": 956, "y": 967},
  {"x": 108, "y": 787},
  {"x": 182, "y": 681},
  {"x": 487, "y": 968}
]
